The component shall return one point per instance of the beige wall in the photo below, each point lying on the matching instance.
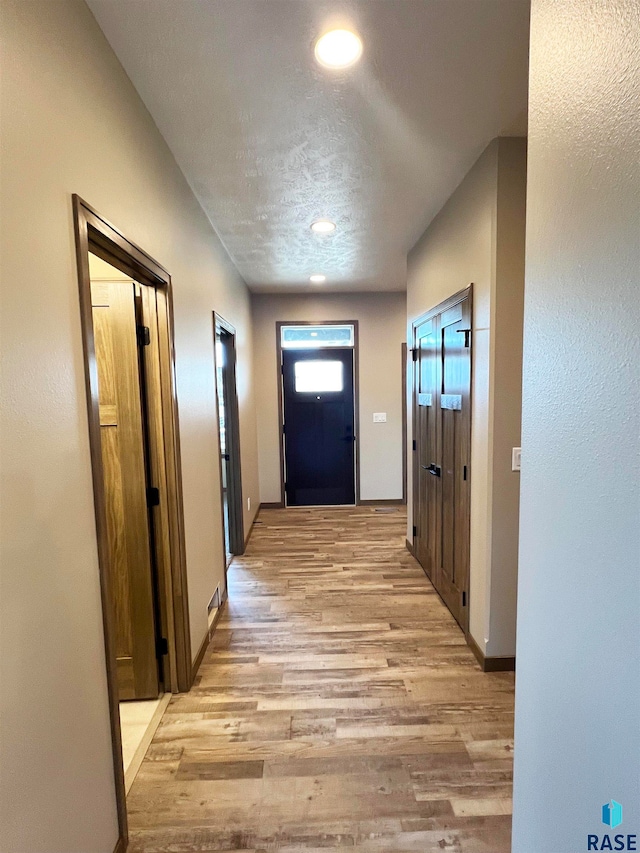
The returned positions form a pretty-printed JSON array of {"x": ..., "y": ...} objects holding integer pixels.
[
  {"x": 479, "y": 237},
  {"x": 578, "y": 684},
  {"x": 381, "y": 320},
  {"x": 71, "y": 122},
  {"x": 506, "y": 392}
]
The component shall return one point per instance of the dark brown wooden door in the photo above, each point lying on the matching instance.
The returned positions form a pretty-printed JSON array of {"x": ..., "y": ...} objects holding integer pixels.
[
  {"x": 125, "y": 484},
  {"x": 455, "y": 440},
  {"x": 443, "y": 449},
  {"x": 427, "y": 400}
]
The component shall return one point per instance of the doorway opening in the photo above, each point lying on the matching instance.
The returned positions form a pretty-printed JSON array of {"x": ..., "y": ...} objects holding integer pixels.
[
  {"x": 442, "y": 449},
  {"x": 117, "y": 314},
  {"x": 228, "y": 438},
  {"x": 117, "y": 308},
  {"x": 127, "y": 328},
  {"x": 318, "y": 370}
]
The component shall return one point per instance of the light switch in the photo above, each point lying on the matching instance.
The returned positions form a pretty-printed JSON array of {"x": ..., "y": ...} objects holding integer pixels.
[
  {"x": 379, "y": 417},
  {"x": 515, "y": 458}
]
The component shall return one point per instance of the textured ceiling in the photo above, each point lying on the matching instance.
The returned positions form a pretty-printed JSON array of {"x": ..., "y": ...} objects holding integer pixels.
[{"x": 269, "y": 140}]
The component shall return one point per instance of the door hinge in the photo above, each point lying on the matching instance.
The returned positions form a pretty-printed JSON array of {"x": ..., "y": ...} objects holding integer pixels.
[
  {"x": 464, "y": 473},
  {"x": 153, "y": 496},
  {"x": 413, "y": 444},
  {"x": 414, "y": 354},
  {"x": 467, "y": 336},
  {"x": 464, "y": 599},
  {"x": 415, "y": 531},
  {"x": 282, "y": 369},
  {"x": 143, "y": 335},
  {"x": 284, "y": 429},
  {"x": 162, "y": 647}
]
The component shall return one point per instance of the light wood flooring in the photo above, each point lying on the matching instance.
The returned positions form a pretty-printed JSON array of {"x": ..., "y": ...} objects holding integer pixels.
[{"x": 338, "y": 707}]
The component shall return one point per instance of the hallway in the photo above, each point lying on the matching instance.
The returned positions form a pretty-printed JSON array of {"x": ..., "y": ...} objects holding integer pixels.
[{"x": 338, "y": 706}]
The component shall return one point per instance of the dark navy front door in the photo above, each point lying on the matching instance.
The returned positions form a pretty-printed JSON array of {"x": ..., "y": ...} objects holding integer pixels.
[{"x": 319, "y": 427}]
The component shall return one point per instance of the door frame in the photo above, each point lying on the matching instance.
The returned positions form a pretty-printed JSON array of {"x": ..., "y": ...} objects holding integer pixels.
[
  {"x": 356, "y": 393},
  {"x": 234, "y": 486},
  {"x": 450, "y": 302},
  {"x": 93, "y": 233}
]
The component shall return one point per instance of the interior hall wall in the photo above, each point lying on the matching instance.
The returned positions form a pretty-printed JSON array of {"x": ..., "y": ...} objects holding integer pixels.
[
  {"x": 478, "y": 238},
  {"x": 381, "y": 326},
  {"x": 73, "y": 123},
  {"x": 578, "y": 684}
]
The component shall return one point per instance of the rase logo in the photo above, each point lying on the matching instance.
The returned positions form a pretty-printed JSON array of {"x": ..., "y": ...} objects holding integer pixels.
[{"x": 612, "y": 816}]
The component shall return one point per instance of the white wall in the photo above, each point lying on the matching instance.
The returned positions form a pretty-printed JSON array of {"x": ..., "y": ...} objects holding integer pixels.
[
  {"x": 478, "y": 237},
  {"x": 71, "y": 122},
  {"x": 381, "y": 321},
  {"x": 578, "y": 683}
]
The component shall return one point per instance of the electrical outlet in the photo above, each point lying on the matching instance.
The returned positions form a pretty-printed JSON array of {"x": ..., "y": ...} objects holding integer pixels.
[
  {"x": 515, "y": 458},
  {"x": 379, "y": 417}
]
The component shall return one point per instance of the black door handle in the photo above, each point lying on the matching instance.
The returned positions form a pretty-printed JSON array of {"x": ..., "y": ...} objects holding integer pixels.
[{"x": 433, "y": 469}]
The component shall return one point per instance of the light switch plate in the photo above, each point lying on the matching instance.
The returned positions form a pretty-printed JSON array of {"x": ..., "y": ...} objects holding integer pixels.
[
  {"x": 515, "y": 458},
  {"x": 379, "y": 417}
]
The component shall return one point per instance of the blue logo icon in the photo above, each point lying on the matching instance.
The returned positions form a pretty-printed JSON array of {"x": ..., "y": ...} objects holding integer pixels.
[{"x": 612, "y": 814}]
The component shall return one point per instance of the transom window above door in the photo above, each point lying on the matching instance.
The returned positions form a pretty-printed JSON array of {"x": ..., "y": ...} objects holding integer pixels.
[{"x": 310, "y": 337}]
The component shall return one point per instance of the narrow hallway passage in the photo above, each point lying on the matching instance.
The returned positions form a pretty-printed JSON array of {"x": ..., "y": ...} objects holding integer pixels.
[{"x": 338, "y": 706}]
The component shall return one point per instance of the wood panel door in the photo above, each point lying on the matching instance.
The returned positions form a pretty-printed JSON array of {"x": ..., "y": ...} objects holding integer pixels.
[
  {"x": 455, "y": 448},
  {"x": 426, "y": 417},
  {"x": 125, "y": 485},
  {"x": 442, "y": 429}
]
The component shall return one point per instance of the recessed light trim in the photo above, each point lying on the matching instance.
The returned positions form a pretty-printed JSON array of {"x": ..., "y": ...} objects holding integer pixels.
[
  {"x": 317, "y": 278},
  {"x": 323, "y": 226},
  {"x": 338, "y": 49}
]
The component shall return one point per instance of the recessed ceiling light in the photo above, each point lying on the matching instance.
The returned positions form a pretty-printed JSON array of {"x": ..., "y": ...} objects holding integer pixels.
[
  {"x": 317, "y": 279},
  {"x": 323, "y": 226},
  {"x": 338, "y": 49}
]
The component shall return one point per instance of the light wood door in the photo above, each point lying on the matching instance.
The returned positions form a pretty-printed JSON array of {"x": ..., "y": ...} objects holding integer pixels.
[
  {"x": 442, "y": 405},
  {"x": 125, "y": 484},
  {"x": 427, "y": 400}
]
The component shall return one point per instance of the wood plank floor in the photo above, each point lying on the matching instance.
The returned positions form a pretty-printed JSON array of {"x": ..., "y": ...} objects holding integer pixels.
[{"x": 338, "y": 706}]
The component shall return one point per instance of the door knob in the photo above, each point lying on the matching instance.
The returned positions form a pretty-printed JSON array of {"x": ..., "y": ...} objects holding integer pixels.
[{"x": 433, "y": 469}]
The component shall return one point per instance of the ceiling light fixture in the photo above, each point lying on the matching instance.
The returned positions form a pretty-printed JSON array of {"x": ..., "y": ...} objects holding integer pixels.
[
  {"x": 323, "y": 226},
  {"x": 338, "y": 49},
  {"x": 317, "y": 279}
]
